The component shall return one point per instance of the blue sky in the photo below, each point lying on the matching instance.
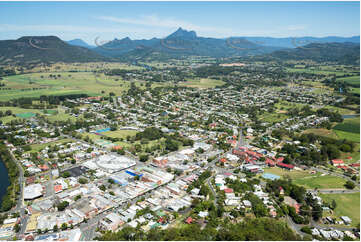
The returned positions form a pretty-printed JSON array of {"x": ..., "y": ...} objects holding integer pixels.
[{"x": 109, "y": 20}]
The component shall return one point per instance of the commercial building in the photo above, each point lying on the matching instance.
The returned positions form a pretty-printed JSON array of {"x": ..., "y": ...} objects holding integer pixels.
[{"x": 33, "y": 191}]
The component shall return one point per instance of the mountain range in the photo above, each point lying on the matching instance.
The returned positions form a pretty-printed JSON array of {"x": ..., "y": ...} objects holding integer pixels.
[
  {"x": 44, "y": 49},
  {"x": 181, "y": 43},
  {"x": 286, "y": 42}
]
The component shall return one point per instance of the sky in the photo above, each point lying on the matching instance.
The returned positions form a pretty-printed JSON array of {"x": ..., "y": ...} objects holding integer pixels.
[{"x": 105, "y": 21}]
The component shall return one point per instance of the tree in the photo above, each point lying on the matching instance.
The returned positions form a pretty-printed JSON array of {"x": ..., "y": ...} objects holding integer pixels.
[
  {"x": 17, "y": 228},
  {"x": 55, "y": 228},
  {"x": 334, "y": 204},
  {"x": 317, "y": 212},
  {"x": 143, "y": 158},
  {"x": 64, "y": 226},
  {"x": 77, "y": 197},
  {"x": 306, "y": 230},
  {"x": 83, "y": 180},
  {"x": 61, "y": 206},
  {"x": 350, "y": 185},
  {"x": 65, "y": 174}
]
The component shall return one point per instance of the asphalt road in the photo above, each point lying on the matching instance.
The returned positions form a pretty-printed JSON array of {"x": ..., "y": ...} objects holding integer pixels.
[{"x": 335, "y": 191}]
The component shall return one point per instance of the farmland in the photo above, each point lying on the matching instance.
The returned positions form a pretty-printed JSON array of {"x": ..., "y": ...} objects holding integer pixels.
[
  {"x": 37, "y": 84},
  {"x": 351, "y": 80},
  {"x": 349, "y": 129}
]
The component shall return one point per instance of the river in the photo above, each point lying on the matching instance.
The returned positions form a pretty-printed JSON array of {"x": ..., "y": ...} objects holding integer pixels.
[{"x": 4, "y": 180}]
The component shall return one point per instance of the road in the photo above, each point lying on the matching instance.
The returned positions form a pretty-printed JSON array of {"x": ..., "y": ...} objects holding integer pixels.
[
  {"x": 335, "y": 191},
  {"x": 212, "y": 190},
  {"x": 325, "y": 226},
  {"x": 333, "y": 173},
  {"x": 294, "y": 227}
]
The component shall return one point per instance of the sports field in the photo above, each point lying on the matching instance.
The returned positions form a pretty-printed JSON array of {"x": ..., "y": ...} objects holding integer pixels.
[
  {"x": 319, "y": 181},
  {"x": 347, "y": 205},
  {"x": 283, "y": 172},
  {"x": 120, "y": 133}
]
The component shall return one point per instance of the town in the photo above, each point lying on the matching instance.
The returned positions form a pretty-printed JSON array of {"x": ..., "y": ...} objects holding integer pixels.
[{"x": 154, "y": 158}]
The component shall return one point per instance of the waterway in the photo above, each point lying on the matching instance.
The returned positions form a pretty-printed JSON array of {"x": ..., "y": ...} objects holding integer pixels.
[{"x": 4, "y": 180}]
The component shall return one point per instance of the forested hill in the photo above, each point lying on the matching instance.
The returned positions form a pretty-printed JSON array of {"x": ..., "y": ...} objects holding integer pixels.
[
  {"x": 343, "y": 53},
  {"x": 36, "y": 49}
]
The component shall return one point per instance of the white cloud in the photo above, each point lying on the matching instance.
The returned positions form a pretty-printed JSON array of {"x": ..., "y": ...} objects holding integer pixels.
[
  {"x": 168, "y": 23},
  {"x": 151, "y": 20}
]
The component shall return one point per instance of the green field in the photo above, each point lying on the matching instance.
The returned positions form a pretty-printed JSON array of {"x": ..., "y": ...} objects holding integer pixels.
[
  {"x": 202, "y": 83},
  {"x": 351, "y": 79},
  {"x": 283, "y": 172},
  {"x": 349, "y": 129},
  {"x": 38, "y": 147},
  {"x": 342, "y": 111},
  {"x": 273, "y": 117},
  {"x": 322, "y": 132},
  {"x": 320, "y": 182},
  {"x": 26, "y": 115},
  {"x": 120, "y": 133},
  {"x": 347, "y": 205},
  {"x": 355, "y": 90},
  {"x": 37, "y": 84},
  {"x": 323, "y": 72}
]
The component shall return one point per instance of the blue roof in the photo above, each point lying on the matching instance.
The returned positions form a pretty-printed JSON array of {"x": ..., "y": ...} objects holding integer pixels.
[{"x": 270, "y": 176}]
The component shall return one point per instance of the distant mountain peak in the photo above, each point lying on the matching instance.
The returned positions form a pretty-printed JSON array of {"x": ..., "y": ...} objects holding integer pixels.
[
  {"x": 79, "y": 42},
  {"x": 182, "y": 33}
]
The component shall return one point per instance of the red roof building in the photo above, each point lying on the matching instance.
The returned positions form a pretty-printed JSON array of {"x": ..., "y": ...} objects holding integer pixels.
[
  {"x": 270, "y": 162},
  {"x": 228, "y": 190},
  {"x": 355, "y": 165},
  {"x": 280, "y": 159},
  {"x": 44, "y": 167},
  {"x": 189, "y": 220},
  {"x": 337, "y": 162},
  {"x": 58, "y": 188},
  {"x": 223, "y": 160},
  {"x": 282, "y": 191},
  {"x": 286, "y": 166},
  {"x": 343, "y": 167},
  {"x": 297, "y": 207}
]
